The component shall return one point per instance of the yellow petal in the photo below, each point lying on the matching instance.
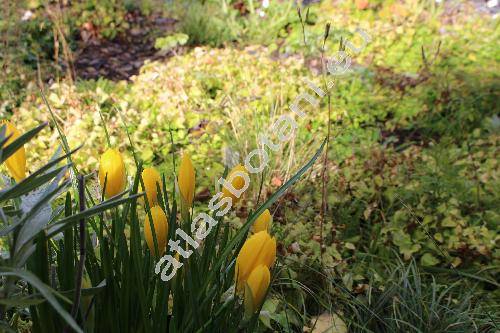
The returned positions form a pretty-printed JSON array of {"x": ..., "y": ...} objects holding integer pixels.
[
  {"x": 237, "y": 182},
  {"x": 16, "y": 163},
  {"x": 160, "y": 223},
  {"x": 112, "y": 168},
  {"x": 186, "y": 179},
  {"x": 258, "y": 282},
  {"x": 259, "y": 249},
  {"x": 263, "y": 222},
  {"x": 152, "y": 180}
]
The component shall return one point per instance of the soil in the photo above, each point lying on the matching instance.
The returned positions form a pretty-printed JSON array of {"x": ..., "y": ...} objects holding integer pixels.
[{"x": 122, "y": 57}]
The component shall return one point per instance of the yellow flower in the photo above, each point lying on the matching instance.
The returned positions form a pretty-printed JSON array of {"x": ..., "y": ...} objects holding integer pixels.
[
  {"x": 259, "y": 249},
  {"x": 186, "y": 179},
  {"x": 160, "y": 223},
  {"x": 16, "y": 163},
  {"x": 237, "y": 182},
  {"x": 152, "y": 180},
  {"x": 112, "y": 168},
  {"x": 263, "y": 222},
  {"x": 257, "y": 282}
]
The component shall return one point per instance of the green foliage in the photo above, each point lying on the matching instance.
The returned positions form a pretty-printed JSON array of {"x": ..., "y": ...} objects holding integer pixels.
[
  {"x": 403, "y": 298},
  {"x": 412, "y": 173},
  {"x": 156, "y": 102},
  {"x": 46, "y": 263},
  {"x": 265, "y": 25},
  {"x": 169, "y": 42},
  {"x": 411, "y": 301},
  {"x": 26, "y": 43},
  {"x": 401, "y": 176},
  {"x": 37, "y": 40},
  {"x": 206, "y": 24},
  {"x": 221, "y": 22},
  {"x": 107, "y": 16}
]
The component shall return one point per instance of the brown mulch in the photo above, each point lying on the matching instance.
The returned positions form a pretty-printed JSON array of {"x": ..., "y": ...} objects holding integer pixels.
[{"x": 120, "y": 58}]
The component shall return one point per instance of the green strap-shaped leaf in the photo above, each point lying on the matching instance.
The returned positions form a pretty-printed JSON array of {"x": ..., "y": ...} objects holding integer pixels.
[
  {"x": 32, "y": 212},
  {"x": 36, "y": 179},
  {"x": 25, "y": 187},
  {"x": 69, "y": 293},
  {"x": 32, "y": 223},
  {"x": 7, "y": 151},
  {"x": 67, "y": 222},
  {"x": 45, "y": 290}
]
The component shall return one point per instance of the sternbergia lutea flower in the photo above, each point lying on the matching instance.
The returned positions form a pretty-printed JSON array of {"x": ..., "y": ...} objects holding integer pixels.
[{"x": 112, "y": 170}]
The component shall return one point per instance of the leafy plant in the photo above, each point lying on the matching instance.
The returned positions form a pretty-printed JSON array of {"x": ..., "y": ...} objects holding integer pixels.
[
  {"x": 28, "y": 211},
  {"x": 107, "y": 16},
  {"x": 169, "y": 42}
]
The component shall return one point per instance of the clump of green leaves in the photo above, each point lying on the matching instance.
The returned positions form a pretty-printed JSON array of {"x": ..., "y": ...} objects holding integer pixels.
[
  {"x": 107, "y": 16},
  {"x": 412, "y": 301},
  {"x": 206, "y": 23},
  {"x": 30, "y": 216},
  {"x": 169, "y": 42}
]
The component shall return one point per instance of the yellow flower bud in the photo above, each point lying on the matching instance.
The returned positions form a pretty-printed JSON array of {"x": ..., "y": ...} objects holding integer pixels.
[
  {"x": 152, "y": 180},
  {"x": 112, "y": 168},
  {"x": 186, "y": 179},
  {"x": 257, "y": 282},
  {"x": 259, "y": 249},
  {"x": 237, "y": 183},
  {"x": 16, "y": 163},
  {"x": 263, "y": 222},
  {"x": 160, "y": 223}
]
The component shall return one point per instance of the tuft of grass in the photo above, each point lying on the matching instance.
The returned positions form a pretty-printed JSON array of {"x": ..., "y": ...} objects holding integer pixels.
[
  {"x": 413, "y": 301},
  {"x": 207, "y": 24}
]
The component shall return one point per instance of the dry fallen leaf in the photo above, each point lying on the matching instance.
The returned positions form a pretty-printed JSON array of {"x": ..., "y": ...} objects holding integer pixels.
[
  {"x": 294, "y": 247},
  {"x": 328, "y": 323},
  {"x": 276, "y": 181},
  {"x": 362, "y": 4}
]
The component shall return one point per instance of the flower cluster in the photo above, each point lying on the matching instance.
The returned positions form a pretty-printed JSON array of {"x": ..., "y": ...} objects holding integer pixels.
[
  {"x": 256, "y": 257},
  {"x": 257, "y": 254},
  {"x": 112, "y": 178}
]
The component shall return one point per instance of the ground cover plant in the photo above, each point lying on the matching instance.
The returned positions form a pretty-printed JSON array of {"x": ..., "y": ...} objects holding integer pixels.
[{"x": 392, "y": 226}]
